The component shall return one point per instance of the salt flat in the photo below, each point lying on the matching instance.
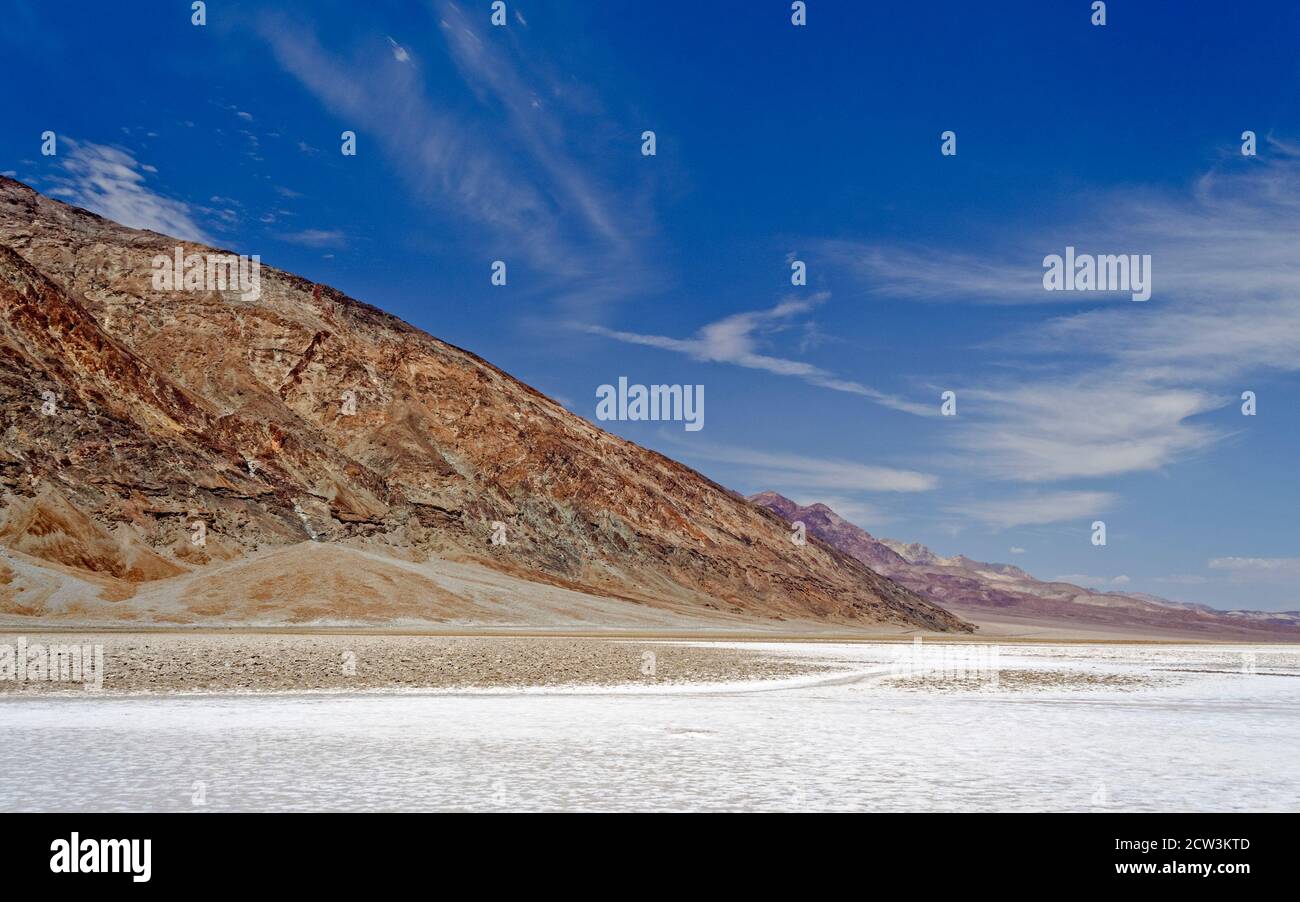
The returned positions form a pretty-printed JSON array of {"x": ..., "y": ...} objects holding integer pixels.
[{"x": 1063, "y": 727}]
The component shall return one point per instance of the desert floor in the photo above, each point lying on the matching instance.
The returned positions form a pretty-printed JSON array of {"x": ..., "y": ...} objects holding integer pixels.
[
  {"x": 549, "y": 723},
  {"x": 291, "y": 660}
]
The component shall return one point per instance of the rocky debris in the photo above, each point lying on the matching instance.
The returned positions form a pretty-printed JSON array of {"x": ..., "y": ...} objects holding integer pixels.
[{"x": 169, "y": 662}]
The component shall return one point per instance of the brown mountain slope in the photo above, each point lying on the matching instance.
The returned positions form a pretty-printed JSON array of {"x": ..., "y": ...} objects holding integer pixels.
[
  {"x": 1009, "y": 597},
  {"x": 152, "y": 411}
]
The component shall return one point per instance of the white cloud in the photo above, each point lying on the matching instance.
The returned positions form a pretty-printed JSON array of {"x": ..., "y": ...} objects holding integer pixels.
[
  {"x": 1284, "y": 570},
  {"x": 515, "y": 172},
  {"x": 1265, "y": 564},
  {"x": 1126, "y": 381},
  {"x": 1224, "y": 239},
  {"x": 485, "y": 67},
  {"x": 399, "y": 52},
  {"x": 318, "y": 238},
  {"x": 1042, "y": 431},
  {"x": 111, "y": 182},
  {"x": 932, "y": 274},
  {"x": 736, "y": 339},
  {"x": 772, "y": 470},
  {"x": 1015, "y": 549},
  {"x": 1037, "y": 509},
  {"x": 440, "y": 155}
]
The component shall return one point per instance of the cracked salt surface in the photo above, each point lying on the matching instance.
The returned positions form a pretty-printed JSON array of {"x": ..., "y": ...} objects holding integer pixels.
[{"x": 1187, "y": 728}]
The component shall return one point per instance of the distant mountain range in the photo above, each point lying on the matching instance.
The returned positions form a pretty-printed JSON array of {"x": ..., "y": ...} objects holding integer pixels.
[
  {"x": 1005, "y": 598},
  {"x": 177, "y": 453}
]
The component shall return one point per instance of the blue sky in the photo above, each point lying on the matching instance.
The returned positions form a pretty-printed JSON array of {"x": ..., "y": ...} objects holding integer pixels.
[{"x": 819, "y": 143}]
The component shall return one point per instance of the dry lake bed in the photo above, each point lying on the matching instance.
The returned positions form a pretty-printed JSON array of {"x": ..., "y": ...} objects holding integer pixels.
[{"x": 341, "y": 723}]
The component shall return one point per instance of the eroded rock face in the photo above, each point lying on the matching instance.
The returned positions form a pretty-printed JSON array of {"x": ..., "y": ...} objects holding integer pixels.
[
  {"x": 1006, "y": 593},
  {"x": 306, "y": 415}
]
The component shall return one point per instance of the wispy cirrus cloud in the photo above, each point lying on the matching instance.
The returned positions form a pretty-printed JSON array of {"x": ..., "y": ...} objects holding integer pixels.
[
  {"x": 1044, "y": 431},
  {"x": 1226, "y": 236},
  {"x": 1228, "y": 279},
  {"x": 737, "y": 340},
  {"x": 933, "y": 274},
  {"x": 816, "y": 473},
  {"x": 803, "y": 472},
  {"x": 509, "y": 169},
  {"x": 527, "y": 99},
  {"x": 1258, "y": 569},
  {"x": 316, "y": 238},
  {"x": 440, "y": 155},
  {"x": 1127, "y": 381},
  {"x": 1036, "y": 509},
  {"x": 113, "y": 183},
  {"x": 400, "y": 53}
]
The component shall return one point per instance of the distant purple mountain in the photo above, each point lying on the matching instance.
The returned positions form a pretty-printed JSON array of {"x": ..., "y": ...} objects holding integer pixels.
[{"x": 1006, "y": 595}]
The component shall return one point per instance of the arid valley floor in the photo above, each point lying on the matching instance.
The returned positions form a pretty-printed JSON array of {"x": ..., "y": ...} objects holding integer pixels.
[{"x": 305, "y": 721}]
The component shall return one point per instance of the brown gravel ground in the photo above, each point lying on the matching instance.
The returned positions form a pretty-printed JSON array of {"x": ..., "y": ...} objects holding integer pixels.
[
  {"x": 137, "y": 662},
  {"x": 1021, "y": 680}
]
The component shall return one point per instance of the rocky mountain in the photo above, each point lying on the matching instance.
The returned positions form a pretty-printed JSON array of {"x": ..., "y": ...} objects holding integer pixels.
[
  {"x": 1005, "y": 598},
  {"x": 159, "y": 442}
]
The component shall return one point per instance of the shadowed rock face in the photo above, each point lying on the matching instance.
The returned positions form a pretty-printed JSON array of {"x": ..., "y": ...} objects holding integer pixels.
[
  {"x": 977, "y": 590},
  {"x": 171, "y": 408}
]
